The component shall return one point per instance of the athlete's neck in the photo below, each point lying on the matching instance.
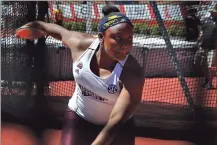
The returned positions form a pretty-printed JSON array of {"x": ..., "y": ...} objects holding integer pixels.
[{"x": 104, "y": 60}]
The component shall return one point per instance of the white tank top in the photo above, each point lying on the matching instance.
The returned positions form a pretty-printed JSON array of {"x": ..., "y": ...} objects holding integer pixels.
[{"x": 94, "y": 97}]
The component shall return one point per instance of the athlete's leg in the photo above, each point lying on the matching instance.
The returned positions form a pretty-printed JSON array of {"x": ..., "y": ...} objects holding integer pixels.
[{"x": 77, "y": 131}]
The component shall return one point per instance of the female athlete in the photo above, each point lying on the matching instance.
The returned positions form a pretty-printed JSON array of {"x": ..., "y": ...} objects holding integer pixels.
[{"x": 109, "y": 81}]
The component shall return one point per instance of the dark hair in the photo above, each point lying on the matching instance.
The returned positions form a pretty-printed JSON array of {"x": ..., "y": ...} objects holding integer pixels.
[
  {"x": 112, "y": 16},
  {"x": 108, "y": 9}
]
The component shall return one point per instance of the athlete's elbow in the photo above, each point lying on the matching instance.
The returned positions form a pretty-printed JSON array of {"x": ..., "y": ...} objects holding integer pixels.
[{"x": 117, "y": 118}]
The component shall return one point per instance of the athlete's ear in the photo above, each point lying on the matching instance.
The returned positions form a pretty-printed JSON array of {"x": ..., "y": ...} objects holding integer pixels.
[{"x": 101, "y": 37}]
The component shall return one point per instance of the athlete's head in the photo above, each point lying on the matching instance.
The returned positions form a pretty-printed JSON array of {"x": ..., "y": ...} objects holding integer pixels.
[{"x": 115, "y": 33}]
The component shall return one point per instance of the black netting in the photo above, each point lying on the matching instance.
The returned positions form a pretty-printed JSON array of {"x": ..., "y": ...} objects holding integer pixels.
[
  {"x": 179, "y": 92},
  {"x": 17, "y": 86}
]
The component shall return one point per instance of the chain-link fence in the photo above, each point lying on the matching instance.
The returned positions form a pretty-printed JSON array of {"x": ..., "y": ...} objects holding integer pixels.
[{"x": 180, "y": 84}]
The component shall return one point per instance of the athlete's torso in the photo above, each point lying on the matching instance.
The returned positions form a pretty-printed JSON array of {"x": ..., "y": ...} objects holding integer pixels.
[{"x": 94, "y": 97}]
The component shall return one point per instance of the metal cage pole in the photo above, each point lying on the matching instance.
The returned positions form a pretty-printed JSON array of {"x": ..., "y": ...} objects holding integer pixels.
[
  {"x": 89, "y": 17},
  {"x": 172, "y": 53}
]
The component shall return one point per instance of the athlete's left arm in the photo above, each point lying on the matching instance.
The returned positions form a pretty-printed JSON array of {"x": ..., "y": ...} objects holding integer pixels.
[{"x": 126, "y": 105}]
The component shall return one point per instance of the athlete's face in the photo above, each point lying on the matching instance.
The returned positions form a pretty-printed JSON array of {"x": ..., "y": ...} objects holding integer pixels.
[{"x": 117, "y": 41}]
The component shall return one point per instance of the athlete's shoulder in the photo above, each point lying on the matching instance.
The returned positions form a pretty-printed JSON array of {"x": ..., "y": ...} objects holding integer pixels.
[
  {"x": 78, "y": 41},
  {"x": 86, "y": 40},
  {"x": 133, "y": 76},
  {"x": 134, "y": 67}
]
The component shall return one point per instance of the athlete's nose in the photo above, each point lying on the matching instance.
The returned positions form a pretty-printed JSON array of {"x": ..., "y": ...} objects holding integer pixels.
[{"x": 125, "y": 48}]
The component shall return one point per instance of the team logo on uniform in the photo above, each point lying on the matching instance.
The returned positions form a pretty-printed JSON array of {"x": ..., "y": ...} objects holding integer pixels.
[
  {"x": 80, "y": 65},
  {"x": 112, "y": 89}
]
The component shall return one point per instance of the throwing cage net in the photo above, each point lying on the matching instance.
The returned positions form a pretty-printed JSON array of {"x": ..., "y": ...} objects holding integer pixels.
[{"x": 179, "y": 62}]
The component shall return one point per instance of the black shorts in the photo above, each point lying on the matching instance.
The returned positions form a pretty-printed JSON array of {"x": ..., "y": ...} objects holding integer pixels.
[{"x": 77, "y": 131}]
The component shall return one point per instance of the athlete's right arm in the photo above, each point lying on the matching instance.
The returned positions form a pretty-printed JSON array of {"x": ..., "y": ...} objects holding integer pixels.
[{"x": 69, "y": 38}]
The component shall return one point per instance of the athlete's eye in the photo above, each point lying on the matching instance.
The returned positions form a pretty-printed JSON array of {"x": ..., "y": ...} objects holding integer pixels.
[{"x": 118, "y": 39}]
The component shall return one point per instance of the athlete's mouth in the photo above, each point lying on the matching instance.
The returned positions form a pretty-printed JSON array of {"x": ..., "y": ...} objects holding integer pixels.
[{"x": 123, "y": 53}]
